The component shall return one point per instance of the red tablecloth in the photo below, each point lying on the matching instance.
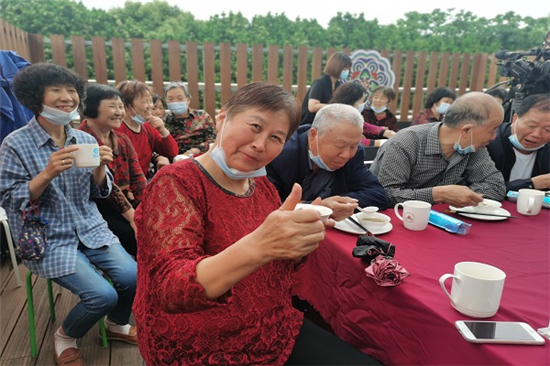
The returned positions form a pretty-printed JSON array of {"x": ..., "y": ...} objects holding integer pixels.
[{"x": 413, "y": 323}]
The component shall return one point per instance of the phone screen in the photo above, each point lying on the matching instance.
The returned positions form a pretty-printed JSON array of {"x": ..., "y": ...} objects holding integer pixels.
[{"x": 498, "y": 330}]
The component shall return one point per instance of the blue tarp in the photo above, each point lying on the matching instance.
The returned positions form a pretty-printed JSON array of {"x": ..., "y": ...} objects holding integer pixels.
[{"x": 12, "y": 114}]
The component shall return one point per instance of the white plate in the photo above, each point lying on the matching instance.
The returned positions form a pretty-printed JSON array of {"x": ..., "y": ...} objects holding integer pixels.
[
  {"x": 498, "y": 211},
  {"x": 349, "y": 227}
]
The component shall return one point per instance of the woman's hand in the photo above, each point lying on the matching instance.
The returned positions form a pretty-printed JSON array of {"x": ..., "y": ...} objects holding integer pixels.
[
  {"x": 105, "y": 155},
  {"x": 161, "y": 162},
  {"x": 192, "y": 151},
  {"x": 289, "y": 234},
  {"x": 158, "y": 125},
  {"x": 59, "y": 162}
]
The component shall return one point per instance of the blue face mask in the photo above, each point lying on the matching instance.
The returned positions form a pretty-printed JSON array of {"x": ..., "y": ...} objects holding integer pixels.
[
  {"x": 318, "y": 160},
  {"x": 361, "y": 107},
  {"x": 344, "y": 74},
  {"x": 515, "y": 142},
  {"x": 138, "y": 118},
  {"x": 58, "y": 117},
  {"x": 218, "y": 155},
  {"x": 178, "y": 108},
  {"x": 468, "y": 149},
  {"x": 378, "y": 110},
  {"x": 442, "y": 108}
]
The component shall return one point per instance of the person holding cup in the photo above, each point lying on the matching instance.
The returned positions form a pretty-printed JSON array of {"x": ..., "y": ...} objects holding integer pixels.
[
  {"x": 445, "y": 162},
  {"x": 521, "y": 150},
  {"x": 217, "y": 250},
  {"x": 147, "y": 132},
  {"x": 36, "y": 170}
]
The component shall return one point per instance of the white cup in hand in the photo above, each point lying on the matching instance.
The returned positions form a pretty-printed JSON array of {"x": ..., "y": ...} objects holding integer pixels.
[
  {"x": 87, "y": 156},
  {"x": 324, "y": 211}
]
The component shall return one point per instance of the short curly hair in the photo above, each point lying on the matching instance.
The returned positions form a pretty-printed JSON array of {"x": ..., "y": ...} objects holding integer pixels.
[{"x": 31, "y": 83}]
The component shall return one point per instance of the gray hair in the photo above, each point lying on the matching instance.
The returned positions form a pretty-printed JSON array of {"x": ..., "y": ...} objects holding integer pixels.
[
  {"x": 332, "y": 115},
  {"x": 177, "y": 84},
  {"x": 474, "y": 107}
]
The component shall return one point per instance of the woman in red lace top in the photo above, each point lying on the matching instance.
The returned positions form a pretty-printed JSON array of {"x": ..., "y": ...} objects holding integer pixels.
[{"x": 217, "y": 250}]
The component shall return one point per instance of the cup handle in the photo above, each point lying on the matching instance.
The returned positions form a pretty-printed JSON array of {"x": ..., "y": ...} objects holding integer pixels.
[
  {"x": 530, "y": 204},
  {"x": 442, "y": 280},
  {"x": 396, "y": 209}
]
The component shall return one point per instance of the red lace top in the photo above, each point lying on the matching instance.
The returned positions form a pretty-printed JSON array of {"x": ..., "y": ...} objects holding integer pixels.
[{"x": 184, "y": 218}]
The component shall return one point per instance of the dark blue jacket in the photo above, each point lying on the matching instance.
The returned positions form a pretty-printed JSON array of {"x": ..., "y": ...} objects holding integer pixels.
[
  {"x": 12, "y": 114},
  {"x": 502, "y": 153},
  {"x": 352, "y": 180}
]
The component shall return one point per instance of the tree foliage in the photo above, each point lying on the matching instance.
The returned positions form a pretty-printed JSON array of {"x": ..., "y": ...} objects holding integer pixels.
[{"x": 441, "y": 30}]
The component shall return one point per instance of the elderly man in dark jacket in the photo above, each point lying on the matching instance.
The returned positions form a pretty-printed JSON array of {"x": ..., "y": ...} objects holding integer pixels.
[
  {"x": 328, "y": 161},
  {"x": 521, "y": 150}
]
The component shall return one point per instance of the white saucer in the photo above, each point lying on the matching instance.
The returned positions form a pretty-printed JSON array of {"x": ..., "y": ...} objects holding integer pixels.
[
  {"x": 350, "y": 227},
  {"x": 497, "y": 211}
]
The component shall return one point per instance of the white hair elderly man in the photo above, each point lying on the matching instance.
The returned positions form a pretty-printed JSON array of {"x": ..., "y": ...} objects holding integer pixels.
[
  {"x": 327, "y": 160},
  {"x": 445, "y": 161}
]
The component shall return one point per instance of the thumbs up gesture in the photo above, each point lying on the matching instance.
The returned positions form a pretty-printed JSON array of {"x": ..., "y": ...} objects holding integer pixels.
[{"x": 289, "y": 234}]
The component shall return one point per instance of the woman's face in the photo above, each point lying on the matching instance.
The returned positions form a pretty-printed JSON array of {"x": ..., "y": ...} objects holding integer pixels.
[
  {"x": 158, "y": 109},
  {"x": 379, "y": 100},
  {"x": 445, "y": 100},
  {"x": 253, "y": 138},
  {"x": 143, "y": 105},
  {"x": 176, "y": 95},
  {"x": 62, "y": 97},
  {"x": 110, "y": 113}
]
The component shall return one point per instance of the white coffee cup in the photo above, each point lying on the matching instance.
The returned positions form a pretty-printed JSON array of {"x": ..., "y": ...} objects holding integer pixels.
[
  {"x": 476, "y": 289},
  {"x": 529, "y": 201},
  {"x": 87, "y": 156},
  {"x": 416, "y": 214},
  {"x": 324, "y": 211}
]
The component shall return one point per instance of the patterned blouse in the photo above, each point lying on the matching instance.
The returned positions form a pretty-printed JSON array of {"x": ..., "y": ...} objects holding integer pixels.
[
  {"x": 186, "y": 217},
  {"x": 125, "y": 166},
  {"x": 194, "y": 131},
  {"x": 425, "y": 116}
]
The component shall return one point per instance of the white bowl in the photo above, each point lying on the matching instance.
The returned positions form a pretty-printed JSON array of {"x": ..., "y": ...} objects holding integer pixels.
[
  {"x": 373, "y": 221},
  {"x": 487, "y": 206},
  {"x": 324, "y": 211}
]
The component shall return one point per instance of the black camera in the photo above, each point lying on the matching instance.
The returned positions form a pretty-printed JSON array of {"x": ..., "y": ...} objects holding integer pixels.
[{"x": 527, "y": 77}]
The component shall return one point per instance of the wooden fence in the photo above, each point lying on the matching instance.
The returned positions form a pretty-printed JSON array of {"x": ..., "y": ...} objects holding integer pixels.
[{"x": 214, "y": 71}]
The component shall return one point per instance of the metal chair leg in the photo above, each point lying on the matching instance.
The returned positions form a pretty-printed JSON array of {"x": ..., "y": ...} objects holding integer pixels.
[
  {"x": 30, "y": 310},
  {"x": 14, "y": 263}
]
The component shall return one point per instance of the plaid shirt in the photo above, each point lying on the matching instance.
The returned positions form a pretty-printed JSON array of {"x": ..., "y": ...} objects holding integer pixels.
[
  {"x": 194, "y": 131},
  {"x": 411, "y": 163},
  {"x": 65, "y": 203}
]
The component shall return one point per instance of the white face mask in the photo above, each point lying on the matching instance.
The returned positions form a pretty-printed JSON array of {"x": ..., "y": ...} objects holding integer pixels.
[
  {"x": 218, "y": 155},
  {"x": 58, "y": 117}
]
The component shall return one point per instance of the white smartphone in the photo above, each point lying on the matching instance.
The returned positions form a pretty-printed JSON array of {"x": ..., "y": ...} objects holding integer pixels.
[{"x": 498, "y": 332}]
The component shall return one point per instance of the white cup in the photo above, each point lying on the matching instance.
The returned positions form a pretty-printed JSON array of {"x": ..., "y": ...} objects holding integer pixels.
[
  {"x": 87, "y": 156},
  {"x": 476, "y": 289},
  {"x": 416, "y": 214},
  {"x": 324, "y": 211},
  {"x": 529, "y": 201}
]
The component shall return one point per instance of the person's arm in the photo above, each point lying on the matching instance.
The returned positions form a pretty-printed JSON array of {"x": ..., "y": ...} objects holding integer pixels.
[
  {"x": 178, "y": 256},
  {"x": 99, "y": 173},
  {"x": 371, "y": 131},
  {"x": 165, "y": 146},
  {"x": 137, "y": 180},
  {"x": 318, "y": 95},
  {"x": 483, "y": 177},
  {"x": 363, "y": 185}
]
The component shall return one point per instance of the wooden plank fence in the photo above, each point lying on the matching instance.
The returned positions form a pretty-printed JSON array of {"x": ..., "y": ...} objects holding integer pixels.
[{"x": 213, "y": 72}]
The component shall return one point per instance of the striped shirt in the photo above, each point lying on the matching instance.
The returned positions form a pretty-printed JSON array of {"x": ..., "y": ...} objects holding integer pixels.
[
  {"x": 65, "y": 203},
  {"x": 411, "y": 163}
]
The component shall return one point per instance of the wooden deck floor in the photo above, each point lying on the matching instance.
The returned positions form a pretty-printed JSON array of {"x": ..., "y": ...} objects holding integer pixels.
[{"x": 14, "y": 336}]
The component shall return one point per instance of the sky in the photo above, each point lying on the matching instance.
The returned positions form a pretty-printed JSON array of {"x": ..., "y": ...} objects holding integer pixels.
[{"x": 386, "y": 11}]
